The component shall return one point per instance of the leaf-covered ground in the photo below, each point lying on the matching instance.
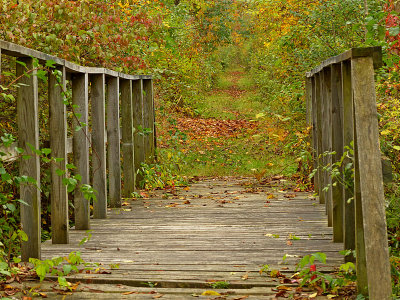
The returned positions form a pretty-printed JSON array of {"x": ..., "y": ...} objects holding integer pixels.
[{"x": 229, "y": 133}]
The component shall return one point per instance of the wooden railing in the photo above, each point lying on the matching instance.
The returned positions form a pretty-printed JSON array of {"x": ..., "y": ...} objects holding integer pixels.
[
  {"x": 341, "y": 108},
  {"x": 98, "y": 96}
]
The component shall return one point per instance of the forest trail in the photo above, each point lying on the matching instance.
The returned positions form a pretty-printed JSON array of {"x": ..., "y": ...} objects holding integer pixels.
[
  {"x": 231, "y": 132},
  {"x": 217, "y": 235}
]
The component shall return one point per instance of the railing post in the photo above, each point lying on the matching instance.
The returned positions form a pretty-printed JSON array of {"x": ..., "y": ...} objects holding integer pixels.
[
  {"x": 137, "y": 90},
  {"x": 361, "y": 263},
  {"x": 127, "y": 138},
  {"x": 99, "y": 145},
  {"x": 327, "y": 140},
  {"x": 318, "y": 101},
  {"x": 314, "y": 131},
  {"x": 114, "y": 159},
  {"x": 371, "y": 215},
  {"x": 58, "y": 145},
  {"x": 309, "y": 94},
  {"x": 337, "y": 146},
  {"x": 28, "y": 133},
  {"x": 80, "y": 98},
  {"x": 148, "y": 115},
  {"x": 348, "y": 138}
]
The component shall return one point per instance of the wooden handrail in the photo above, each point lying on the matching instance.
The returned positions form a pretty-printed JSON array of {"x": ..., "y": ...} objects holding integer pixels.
[
  {"x": 341, "y": 108},
  {"x": 137, "y": 109}
]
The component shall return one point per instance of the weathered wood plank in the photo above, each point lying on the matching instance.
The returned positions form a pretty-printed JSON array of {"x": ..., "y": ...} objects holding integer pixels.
[
  {"x": 137, "y": 90},
  {"x": 314, "y": 131},
  {"x": 58, "y": 145},
  {"x": 148, "y": 115},
  {"x": 99, "y": 145},
  {"x": 204, "y": 242},
  {"x": 127, "y": 138},
  {"x": 28, "y": 133},
  {"x": 374, "y": 52},
  {"x": 327, "y": 141},
  {"x": 318, "y": 101},
  {"x": 80, "y": 98},
  {"x": 371, "y": 196},
  {"x": 337, "y": 147},
  {"x": 113, "y": 139},
  {"x": 348, "y": 138},
  {"x": 308, "y": 101}
]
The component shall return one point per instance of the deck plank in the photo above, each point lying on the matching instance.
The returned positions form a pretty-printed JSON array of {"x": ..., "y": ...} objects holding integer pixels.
[{"x": 224, "y": 231}]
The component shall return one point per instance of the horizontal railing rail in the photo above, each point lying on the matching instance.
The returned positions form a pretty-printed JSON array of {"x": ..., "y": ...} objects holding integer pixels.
[
  {"x": 341, "y": 108},
  {"x": 113, "y": 105}
]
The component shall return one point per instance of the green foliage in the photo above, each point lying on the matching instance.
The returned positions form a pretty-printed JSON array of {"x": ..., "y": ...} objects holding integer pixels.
[
  {"x": 60, "y": 267},
  {"x": 264, "y": 269},
  {"x": 165, "y": 172},
  {"x": 220, "y": 285},
  {"x": 310, "y": 275},
  {"x": 10, "y": 231}
]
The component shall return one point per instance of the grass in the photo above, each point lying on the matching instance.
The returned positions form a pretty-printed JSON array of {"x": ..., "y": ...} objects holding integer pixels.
[{"x": 256, "y": 147}]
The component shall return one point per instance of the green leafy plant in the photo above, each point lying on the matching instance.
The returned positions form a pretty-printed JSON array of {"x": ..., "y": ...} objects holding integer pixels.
[
  {"x": 60, "y": 267},
  {"x": 311, "y": 276},
  {"x": 219, "y": 285},
  {"x": 264, "y": 269}
]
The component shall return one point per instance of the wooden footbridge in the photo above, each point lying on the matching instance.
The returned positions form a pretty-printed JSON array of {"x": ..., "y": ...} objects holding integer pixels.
[{"x": 216, "y": 233}]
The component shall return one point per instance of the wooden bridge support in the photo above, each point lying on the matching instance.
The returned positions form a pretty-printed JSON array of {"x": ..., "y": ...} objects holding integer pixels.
[
  {"x": 96, "y": 94},
  {"x": 28, "y": 133},
  {"x": 58, "y": 145},
  {"x": 342, "y": 106},
  {"x": 80, "y": 98}
]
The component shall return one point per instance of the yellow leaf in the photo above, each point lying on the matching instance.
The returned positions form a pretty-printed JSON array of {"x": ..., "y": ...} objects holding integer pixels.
[
  {"x": 385, "y": 132},
  {"x": 313, "y": 295},
  {"x": 210, "y": 293}
]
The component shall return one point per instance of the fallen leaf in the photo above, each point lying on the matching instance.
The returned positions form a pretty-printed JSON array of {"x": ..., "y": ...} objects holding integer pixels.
[
  {"x": 129, "y": 293},
  {"x": 210, "y": 293},
  {"x": 75, "y": 285},
  {"x": 281, "y": 293},
  {"x": 186, "y": 202},
  {"x": 284, "y": 287},
  {"x": 245, "y": 276},
  {"x": 313, "y": 295},
  {"x": 289, "y": 243},
  {"x": 158, "y": 296},
  {"x": 289, "y": 195}
]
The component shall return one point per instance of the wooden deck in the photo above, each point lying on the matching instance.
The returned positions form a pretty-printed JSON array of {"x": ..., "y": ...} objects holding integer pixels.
[{"x": 216, "y": 230}]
